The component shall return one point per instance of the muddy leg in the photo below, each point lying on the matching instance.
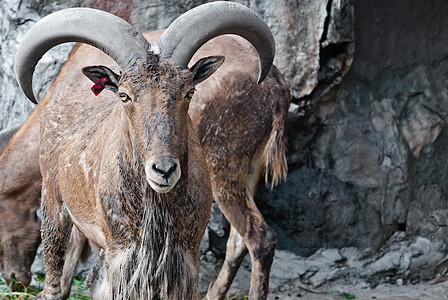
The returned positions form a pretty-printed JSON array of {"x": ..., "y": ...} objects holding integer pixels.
[
  {"x": 76, "y": 245},
  {"x": 261, "y": 248},
  {"x": 96, "y": 279},
  {"x": 235, "y": 252},
  {"x": 239, "y": 208},
  {"x": 56, "y": 227}
]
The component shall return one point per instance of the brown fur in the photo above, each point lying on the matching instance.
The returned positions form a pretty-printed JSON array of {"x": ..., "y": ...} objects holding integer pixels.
[
  {"x": 241, "y": 127},
  {"x": 20, "y": 184},
  {"x": 93, "y": 157}
]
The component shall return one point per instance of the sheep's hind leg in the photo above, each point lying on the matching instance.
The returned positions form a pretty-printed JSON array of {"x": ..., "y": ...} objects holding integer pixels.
[
  {"x": 97, "y": 278},
  {"x": 76, "y": 246},
  {"x": 240, "y": 209},
  {"x": 235, "y": 252}
]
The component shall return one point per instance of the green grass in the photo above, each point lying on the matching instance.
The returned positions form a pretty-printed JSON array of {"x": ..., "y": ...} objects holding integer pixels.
[
  {"x": 29, "y": 292},
  {"x": 32, "y": 291},
  {"x": 237, "y": 298},
  {"x": 77, "y": 288}
]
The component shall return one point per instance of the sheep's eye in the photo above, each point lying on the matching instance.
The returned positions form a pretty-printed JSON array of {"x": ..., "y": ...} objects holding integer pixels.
[
  {"x": 124, "y": 97},
  {"x": 190, "y": 94}
]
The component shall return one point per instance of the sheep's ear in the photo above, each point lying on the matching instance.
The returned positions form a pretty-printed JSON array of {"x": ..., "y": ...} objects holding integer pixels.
[
  {"x": 205, "y": 67},
  {"x": 103, "y": 77}
]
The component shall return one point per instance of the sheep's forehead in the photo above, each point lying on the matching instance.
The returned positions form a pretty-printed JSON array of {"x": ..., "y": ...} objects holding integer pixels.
[{"x": 157, "y": 74}]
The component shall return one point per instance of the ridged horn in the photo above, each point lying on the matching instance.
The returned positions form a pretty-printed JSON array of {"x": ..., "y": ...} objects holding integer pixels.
[
  {"x": 105, "y": 31},
  {"x": 194, "y": 28}
]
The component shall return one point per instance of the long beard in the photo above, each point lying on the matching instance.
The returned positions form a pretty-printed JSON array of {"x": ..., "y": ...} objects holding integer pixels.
[{"x": 156, "y": 264}]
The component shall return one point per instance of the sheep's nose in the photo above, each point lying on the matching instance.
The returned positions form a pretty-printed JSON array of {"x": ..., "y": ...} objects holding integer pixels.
[
  {"x": 162, "y": 173},
  {"x": 165, "y": 167}
]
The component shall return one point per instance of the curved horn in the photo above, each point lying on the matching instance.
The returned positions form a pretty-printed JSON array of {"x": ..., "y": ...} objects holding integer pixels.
[
  {"x": 194, "y": 28},
  {"x": 107, "y": 32}
]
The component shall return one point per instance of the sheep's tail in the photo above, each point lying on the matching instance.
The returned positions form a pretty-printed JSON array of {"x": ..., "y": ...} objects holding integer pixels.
[{"x": 274, "y": 158}]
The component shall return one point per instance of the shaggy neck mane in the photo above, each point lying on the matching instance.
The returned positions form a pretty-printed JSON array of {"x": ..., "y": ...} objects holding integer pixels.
[{"x": 148, "y": 261}]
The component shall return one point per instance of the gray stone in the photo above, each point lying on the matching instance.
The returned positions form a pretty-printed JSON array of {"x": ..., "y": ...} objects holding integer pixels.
[
  {"x": 368, "y": 163},
  {"x": 366, "y": 197}
]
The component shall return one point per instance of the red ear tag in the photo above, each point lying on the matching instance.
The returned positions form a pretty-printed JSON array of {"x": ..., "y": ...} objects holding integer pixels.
[{"x": 99, "y": 86}]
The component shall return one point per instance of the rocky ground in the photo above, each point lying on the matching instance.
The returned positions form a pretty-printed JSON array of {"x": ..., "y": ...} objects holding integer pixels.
[
  {"x": 392, "y": 272},
  {"x": 292, "y": 278},
  {"x": 315, "y": 277},
  {"x": 421, "y": 291},
  {"x": 285, "y": 287}
]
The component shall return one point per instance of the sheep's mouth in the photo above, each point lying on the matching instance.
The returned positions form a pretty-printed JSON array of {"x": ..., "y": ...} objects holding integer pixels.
[
  {"x": 159, "y": 184},
  {"x": 158, "y": 187}
]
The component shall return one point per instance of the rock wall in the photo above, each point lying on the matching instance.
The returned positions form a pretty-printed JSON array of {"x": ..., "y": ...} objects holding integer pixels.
[
  {"x": 366, "y": 192},
  {"x": 368, "y": 163},
  {"x": 301, "y": 31}
]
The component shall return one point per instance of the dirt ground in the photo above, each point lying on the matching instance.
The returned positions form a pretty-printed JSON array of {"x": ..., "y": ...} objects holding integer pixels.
[
  {"x": 285, "y": 284},
  {"x": 421, "y": 291}
]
